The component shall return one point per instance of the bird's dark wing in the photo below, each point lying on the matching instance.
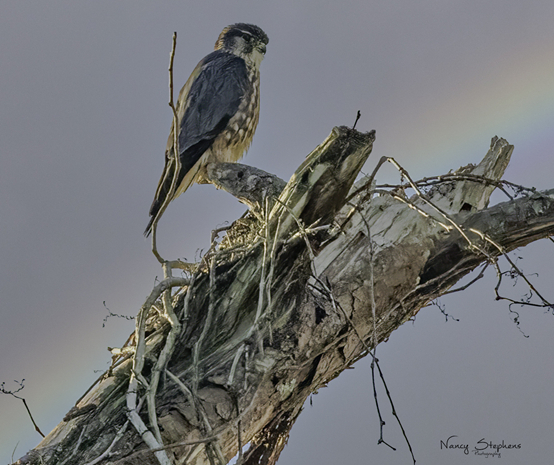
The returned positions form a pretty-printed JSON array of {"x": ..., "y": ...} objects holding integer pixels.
[
  {"x": 214, "y": 97},
  {"x": 207, "y": 102}
]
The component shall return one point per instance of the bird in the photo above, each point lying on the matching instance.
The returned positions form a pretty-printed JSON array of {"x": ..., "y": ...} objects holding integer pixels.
[{"x": 217, "y": 113}]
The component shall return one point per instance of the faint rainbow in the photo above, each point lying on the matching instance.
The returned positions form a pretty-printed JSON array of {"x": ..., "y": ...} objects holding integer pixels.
[{"x": 514, "y": 103}]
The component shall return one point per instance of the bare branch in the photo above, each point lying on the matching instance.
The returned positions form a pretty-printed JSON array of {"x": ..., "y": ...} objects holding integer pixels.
[{"x": 3, "y": 390}]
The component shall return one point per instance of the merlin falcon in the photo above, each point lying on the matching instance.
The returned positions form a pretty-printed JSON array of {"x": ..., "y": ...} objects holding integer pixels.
[{"x": 217, "y": 111}]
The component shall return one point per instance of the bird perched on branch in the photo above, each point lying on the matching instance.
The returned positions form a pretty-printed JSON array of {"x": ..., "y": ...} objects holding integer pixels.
[{"x": 217, "y": 111}]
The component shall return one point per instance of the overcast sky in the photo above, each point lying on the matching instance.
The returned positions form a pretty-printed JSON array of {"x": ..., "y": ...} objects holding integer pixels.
[{"x": 83, "y": 126}]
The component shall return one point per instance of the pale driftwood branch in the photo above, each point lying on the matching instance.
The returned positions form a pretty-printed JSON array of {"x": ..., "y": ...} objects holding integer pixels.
[
  {"x": 248, "y": 184},
  {"x": 152, "y": 439},
  {"x": 286, "y": 303}
]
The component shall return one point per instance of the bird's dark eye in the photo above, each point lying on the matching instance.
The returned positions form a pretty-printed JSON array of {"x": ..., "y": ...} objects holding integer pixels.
[{"x": 247, "y": 37}]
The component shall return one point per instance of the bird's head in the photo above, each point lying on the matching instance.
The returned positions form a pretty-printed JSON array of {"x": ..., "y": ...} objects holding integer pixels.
[{"x": 244, "y": 40}]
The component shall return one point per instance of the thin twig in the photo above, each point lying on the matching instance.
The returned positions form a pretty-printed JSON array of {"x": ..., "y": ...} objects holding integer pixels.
[
  {"x": 188, "y": 296},
  {"x": 303, "y": 233},
  {"x": 357, "y": 118},
  {"x": 239, "y": 442},
  {"x": 206, "y": 327},
  {"x": 239, "y": 427},
  {"x": 234, "y": 365},
  {"x": 381, "y": 421},
  {"x": 414, "y": 207},
  {"x": 14, "y": 449},
  {"x": 442, "y": 309},
  {"x": 374, "y": 331},
  {"x": 13, "y": 393},
  {"x": 369, "y": 182},
  {"x": 176, "y": 151},
  {"x": 186, "y": 391},
  {"x": 176, "y": 154},
  {"x": 200, "y": 412},
  {"x": 465, "y": 286},
  {"x": 271, "y": 266},
  {"x": 372, "y": 351},
  {"x": 106, "y": 453},
  {"x": 174, "y": 446},
  {"x": 434, "y": 207},
  {"x": 444, "y": 178},
  {"x": 336, "y": 306},
  {"x": 394, "y": 411},
  {"x": 486, "y": 238},
  {"x": 154, "y": 242},
  {"x": 215, "y": 232},
  {"x": 31, "y": 416},
  {"x": 262, "y": 284}
]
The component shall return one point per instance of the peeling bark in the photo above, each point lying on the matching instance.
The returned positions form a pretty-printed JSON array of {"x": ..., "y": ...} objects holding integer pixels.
[{"x": 289, "y": 298}]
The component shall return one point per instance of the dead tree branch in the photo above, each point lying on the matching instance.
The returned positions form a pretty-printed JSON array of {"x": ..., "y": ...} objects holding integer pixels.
[
  {"x": 3, "y": 390},
  {"x": 311, "y": 280}
]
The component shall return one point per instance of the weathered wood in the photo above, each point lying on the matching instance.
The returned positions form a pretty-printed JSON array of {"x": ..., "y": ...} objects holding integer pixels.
[
  {"x": 471, "y": 195},
  {"x": 291, "y": 303},
  {"x": 248, "y": 184}
]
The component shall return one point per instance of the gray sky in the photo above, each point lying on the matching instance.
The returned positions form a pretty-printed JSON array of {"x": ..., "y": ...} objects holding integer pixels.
[{"x": 83, "y": 125}]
